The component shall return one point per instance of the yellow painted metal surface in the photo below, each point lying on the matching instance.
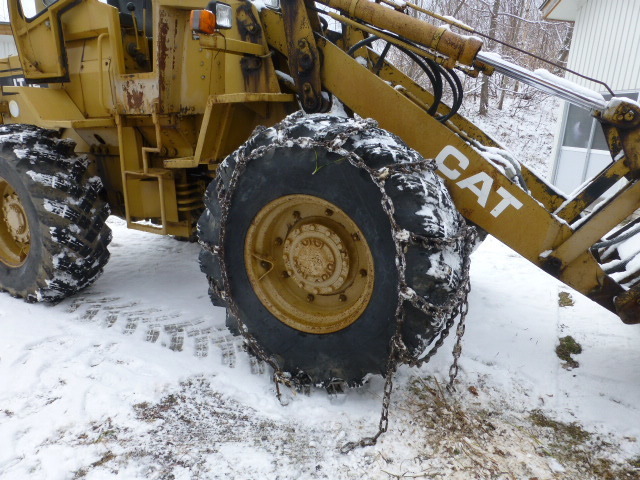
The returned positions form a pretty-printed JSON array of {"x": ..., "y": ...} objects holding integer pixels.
[
  {"x": 50, "y": 108},
  {"x": 231, "y": 45},
  {"x": 216, "y": 130}
]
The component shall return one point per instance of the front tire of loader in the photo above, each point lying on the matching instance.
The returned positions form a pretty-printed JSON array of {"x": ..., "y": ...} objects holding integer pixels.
[
  {"x": 53, "y": 236},
  {"x": 309, "y": 250}
]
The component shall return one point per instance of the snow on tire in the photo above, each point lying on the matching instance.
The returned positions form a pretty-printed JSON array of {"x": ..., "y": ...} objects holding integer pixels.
[
  {"x": 58, "y": 206},
  {"x": 290, "y": 161}
]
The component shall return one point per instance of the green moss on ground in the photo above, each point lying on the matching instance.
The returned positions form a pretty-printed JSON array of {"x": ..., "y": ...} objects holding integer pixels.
[{"x": 567, "y": 347}]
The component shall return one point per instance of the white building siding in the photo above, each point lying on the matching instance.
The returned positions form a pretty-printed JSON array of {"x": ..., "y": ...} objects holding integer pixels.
[
  {"x": 7, "y": 47},
  {"x": 606, "y": 44}
]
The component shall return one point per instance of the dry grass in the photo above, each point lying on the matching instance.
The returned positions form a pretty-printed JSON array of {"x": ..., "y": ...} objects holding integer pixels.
[
  {"x": 565, "y": 299},
  {"x": 433, "y": 436},
  {"x": 491, "y": 443}
]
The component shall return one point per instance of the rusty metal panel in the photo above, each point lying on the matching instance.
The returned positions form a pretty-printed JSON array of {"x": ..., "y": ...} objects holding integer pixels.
[{"x": 137, "y": 94}]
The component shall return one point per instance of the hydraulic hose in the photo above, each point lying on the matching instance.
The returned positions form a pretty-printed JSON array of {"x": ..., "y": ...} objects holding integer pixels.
[{"x": 457, "y": 90}]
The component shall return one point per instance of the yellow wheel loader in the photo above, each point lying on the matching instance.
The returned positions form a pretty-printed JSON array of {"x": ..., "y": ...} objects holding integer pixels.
[{"x": 339, "y": 245}]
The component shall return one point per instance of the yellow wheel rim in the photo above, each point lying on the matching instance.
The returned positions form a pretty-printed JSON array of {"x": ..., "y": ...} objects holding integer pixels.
[
  {"x": 15, "y": 235},
  {"x": 309, "y": 264}
]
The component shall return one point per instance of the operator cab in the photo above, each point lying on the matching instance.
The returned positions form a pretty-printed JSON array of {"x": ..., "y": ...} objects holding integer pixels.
[{"x": 136, "y": 25}]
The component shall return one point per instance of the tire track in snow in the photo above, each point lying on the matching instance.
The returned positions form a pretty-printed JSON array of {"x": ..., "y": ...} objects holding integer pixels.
[{"x": 168, "y": 328}]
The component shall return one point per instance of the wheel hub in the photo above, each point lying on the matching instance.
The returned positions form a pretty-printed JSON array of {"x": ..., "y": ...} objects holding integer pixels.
[
  {"x": 15, "y": 218},
  {"x": 309, "y": 264},
  {"x": 316, "y": 258},
  {"x": 15, "y": 236}
]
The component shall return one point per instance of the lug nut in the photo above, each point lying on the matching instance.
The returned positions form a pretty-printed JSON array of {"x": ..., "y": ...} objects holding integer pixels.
[
  {"x": 328, "y": 212},
  {"x": 363, "y": 273},
  {"x": 355, "y": 236},
  {"x": 310, "y": 298},
  {"x": 296, "y": 215},
  {"x": 342, "y": 298},
  {"x": 284, "y": 274},
  {"x": 265, "y": 264},
  {"x": 278, "y": 241}
]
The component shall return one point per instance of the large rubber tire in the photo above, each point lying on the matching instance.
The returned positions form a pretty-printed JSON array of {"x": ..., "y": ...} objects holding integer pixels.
[
  {"x": 363, "y": 347},
  {"x": 65, "y": 214}
]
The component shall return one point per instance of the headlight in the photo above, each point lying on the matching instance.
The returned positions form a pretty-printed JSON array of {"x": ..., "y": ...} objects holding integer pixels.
[{"x": 223, "y": 15}]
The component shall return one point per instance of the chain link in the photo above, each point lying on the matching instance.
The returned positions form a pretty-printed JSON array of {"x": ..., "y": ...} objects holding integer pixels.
[{"x": 399, "y": 354}]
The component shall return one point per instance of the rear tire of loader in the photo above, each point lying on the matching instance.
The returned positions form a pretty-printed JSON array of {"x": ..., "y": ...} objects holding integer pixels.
[
  {"x": 288, "y": 180},
  {"x": 53, "y": 236}
]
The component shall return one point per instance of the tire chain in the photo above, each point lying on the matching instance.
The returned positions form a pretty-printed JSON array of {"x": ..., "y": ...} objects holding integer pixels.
[{"x": 399, "y": 354}]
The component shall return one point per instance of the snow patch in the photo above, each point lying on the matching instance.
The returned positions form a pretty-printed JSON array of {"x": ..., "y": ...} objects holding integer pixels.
[
  {"x": 555, "y": 466},
  {"x": 403, "y": 236},
  {"x": 44, "y": 179},
  {"x": 362, "y": 61},
  {"x": 460, "y": 23},
  {"x": 568, "y": 84}
]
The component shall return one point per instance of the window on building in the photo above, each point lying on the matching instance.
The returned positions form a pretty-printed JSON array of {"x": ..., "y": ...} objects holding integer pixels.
[{"x": 583, "y": 152}]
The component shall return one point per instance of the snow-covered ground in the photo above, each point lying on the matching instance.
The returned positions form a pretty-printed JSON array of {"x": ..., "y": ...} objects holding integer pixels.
[{"x": 137, "y": 378}]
